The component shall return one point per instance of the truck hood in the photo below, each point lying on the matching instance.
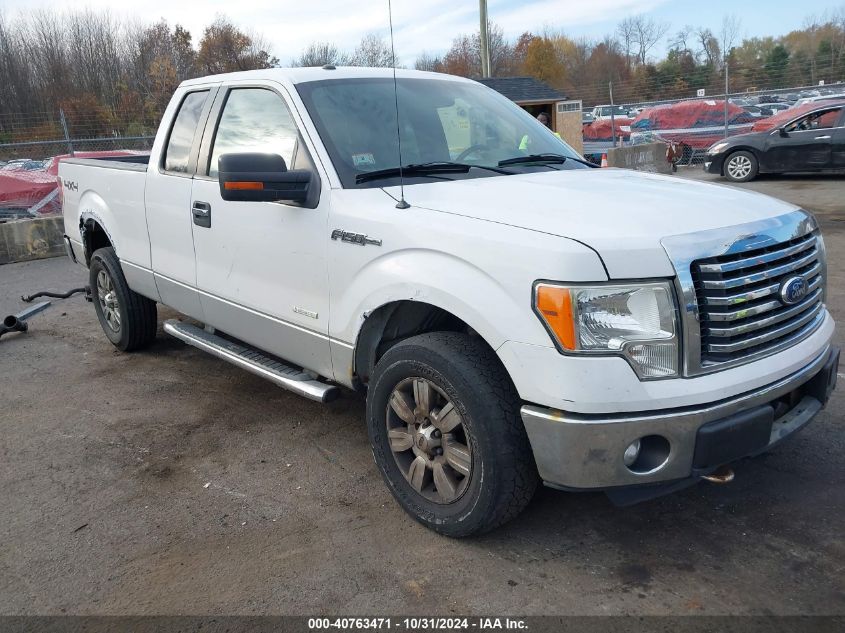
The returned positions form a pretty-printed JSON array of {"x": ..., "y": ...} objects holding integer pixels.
[{"x": 621, "y": 214}]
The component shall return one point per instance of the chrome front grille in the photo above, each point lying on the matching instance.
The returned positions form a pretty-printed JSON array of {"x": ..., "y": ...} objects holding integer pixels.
[{"x": 741, "y": 313}]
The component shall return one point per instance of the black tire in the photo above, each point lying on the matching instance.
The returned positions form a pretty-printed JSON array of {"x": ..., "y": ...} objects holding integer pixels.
[
  {"x": 467, "y": 373},
  {"x": 137, "y": 323},
  {"x": 741, "y": 166}
]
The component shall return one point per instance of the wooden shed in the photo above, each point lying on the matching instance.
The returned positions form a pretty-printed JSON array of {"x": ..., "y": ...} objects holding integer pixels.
[{"x": 535, "y": 97}]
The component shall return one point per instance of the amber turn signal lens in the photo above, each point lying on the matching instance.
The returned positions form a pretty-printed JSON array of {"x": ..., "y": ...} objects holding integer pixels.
[
  {"x": 255, "y": 186},
  {"x": 555, "y": 306}
]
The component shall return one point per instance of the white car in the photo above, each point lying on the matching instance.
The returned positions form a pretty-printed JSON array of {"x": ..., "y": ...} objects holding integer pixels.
[
  {"x": 511, "y": 317},
  {"x": 813, "y": 99},
  {"x": 602, "y": 112}
]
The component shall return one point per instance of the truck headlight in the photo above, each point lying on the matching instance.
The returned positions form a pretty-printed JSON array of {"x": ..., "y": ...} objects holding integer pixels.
[{"x": 636, "y": 321}]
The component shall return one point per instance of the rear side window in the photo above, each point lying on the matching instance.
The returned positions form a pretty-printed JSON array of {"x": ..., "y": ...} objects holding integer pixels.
[
  {"x": 254, "y": 120},
  {"x": 182, "y": 133}
]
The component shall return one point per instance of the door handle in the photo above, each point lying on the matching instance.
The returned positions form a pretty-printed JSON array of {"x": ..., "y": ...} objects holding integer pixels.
[
  {"x": 202, "y": 214},
  {"x": 823, "y": 138}
]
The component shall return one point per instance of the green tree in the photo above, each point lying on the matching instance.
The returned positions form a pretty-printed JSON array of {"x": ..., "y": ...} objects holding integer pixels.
[{"x": 777, "y": 61}]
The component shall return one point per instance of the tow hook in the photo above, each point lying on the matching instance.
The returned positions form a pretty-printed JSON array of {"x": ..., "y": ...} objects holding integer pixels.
[{"x": 722, "y": 475}]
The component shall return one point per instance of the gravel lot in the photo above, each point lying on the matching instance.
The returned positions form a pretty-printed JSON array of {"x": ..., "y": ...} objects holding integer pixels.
[{"x": 168, "y": 482}]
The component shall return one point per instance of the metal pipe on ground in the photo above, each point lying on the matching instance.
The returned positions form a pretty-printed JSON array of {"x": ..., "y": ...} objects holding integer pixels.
[{"x": 18, "y": 322}]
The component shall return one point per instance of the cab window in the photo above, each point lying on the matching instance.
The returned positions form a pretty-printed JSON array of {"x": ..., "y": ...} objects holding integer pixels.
[
  {"x": 178, "y": 151},
  {"x": 254, "y": 120}
]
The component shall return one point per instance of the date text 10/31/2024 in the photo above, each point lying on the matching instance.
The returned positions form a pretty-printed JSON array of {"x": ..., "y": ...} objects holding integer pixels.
[{"x": 417, "y": 623}]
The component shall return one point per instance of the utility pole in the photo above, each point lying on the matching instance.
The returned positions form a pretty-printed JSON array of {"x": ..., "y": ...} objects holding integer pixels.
[
  {"x": 485, "y": 44},
  {"x": 612, "y": 117},
  {"x": 726, "y": 96},
  {"x": 63, "y": 121}
]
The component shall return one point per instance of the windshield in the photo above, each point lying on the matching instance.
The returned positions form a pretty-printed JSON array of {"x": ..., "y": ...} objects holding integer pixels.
[
  {"x": 616, "y": 110},
  {"x": 441, "y": 121}
]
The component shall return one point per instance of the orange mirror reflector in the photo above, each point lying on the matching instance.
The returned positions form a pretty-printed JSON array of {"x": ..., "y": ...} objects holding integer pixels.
[{"x": 254, "y": 186}]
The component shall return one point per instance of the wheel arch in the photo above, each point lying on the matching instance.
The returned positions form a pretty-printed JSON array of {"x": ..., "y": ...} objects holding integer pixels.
[
  {"x": 94, "y": 235},
  {"x": 94, "y": 224},
  {"x": 395, "y": 321}
]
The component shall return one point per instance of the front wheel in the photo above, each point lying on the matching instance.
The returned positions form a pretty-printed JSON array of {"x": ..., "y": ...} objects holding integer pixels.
[
  {"x": 741, "y": 166},
  {"x": 443, "y": 419}
]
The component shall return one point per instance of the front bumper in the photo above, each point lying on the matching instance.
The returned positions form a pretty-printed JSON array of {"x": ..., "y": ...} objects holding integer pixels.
[
  {"x": 713, "y": 163},
  {"x": 576, "y": 451}
]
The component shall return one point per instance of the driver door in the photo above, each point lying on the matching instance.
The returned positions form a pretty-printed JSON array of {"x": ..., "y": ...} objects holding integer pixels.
[
  {"x": 261, "y": 266},
  {"x": 804, "y": 144}
]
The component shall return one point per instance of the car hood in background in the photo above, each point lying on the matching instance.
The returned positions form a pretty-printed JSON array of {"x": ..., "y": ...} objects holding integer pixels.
[{"x": 622, "y": 214}]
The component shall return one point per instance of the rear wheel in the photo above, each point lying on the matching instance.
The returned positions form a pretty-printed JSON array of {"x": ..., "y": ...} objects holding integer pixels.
[
  {"x": 741, "y": 166},
  {"x": 443, "y": 419},
  {"x": 127, "y": 318}
]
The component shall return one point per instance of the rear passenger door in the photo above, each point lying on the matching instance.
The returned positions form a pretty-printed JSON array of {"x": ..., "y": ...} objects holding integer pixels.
[{"x": 167, "y": 199}]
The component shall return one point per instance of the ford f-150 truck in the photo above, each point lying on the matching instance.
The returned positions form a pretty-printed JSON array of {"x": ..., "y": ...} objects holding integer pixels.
[{"x": 513, "y": 316}]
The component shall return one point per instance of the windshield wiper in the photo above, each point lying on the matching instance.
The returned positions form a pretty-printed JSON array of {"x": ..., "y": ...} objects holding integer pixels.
[
  {"x": 543, "y": 159},
  {"x": 425, "y": 169},
  {"x": 534, "y": 158}
]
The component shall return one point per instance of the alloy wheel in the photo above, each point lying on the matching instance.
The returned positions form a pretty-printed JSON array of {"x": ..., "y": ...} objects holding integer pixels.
[
  {"x": 739, "y": 167},
  {"x": 428, "y": 440},
  {"x": 108, "y": 301}
]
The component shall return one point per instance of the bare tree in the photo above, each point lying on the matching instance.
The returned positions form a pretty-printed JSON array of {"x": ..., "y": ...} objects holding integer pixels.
[
  {"x": 729, "y": 34},
  {"x": 626, "y": 30},
  {"x": 321, "y": 54},
  {"x": 429, "y": 62},
  {"x": 18, "y": 94},
  {"x": 681, "y": 40},
  {"x": 372, "y": 52},
  {"x": 708, "y": 47},
  {"x": 647, "y": 33}
]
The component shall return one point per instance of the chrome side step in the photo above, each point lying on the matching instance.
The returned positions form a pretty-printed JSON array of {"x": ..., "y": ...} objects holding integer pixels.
[{"x": 296, "y": 380}]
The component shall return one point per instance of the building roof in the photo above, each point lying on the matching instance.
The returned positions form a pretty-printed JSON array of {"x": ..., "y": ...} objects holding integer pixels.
[{"x": 523, "y": 89}]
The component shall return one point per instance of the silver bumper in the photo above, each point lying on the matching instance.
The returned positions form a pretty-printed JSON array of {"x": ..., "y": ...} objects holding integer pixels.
[{"x": 586, "y": 451}]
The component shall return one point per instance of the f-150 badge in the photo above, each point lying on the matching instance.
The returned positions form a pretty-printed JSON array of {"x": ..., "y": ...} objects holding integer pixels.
[{"x": 354, "y": 238}]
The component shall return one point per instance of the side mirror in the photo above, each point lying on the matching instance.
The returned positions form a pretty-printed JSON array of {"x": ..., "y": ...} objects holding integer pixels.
[
  {"x": 255, "y": 177},
  {"x": 783, "y": 133}
]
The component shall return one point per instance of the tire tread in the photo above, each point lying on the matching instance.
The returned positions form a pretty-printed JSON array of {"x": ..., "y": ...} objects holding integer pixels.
[
  {"x": 140, "y": 321},
  {"x": 515, "y": 461}
]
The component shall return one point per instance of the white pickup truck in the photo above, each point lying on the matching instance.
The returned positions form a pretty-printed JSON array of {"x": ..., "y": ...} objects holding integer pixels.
[{"x": 512, "y": 316}]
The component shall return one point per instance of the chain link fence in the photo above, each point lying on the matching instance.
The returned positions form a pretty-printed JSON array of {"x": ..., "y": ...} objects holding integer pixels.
[
  {"x": 33, "y": 144},
  {"x": 693, "y": 124}
]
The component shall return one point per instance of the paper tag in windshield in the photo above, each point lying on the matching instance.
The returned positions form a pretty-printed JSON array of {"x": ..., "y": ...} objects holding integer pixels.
[{"x": 363, "y": 160}]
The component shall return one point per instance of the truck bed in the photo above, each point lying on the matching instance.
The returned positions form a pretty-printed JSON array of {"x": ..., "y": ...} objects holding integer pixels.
[
  {"x": 126, "y": 163},
  {"x": 108, "y": 192}
]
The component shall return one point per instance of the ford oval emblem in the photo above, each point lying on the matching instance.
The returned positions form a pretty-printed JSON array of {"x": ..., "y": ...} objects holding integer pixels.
[{"x": 793, "y": 290}]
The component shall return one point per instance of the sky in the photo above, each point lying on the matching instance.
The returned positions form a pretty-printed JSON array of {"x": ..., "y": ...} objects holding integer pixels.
[{"x": 430, "y": 25}]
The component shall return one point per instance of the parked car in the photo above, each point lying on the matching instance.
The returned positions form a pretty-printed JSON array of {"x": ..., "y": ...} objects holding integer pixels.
[
  {"x": 811, "y": 141},
  {"x": 814, "y": 99},
  {"x": 604, "y": 111},
  {"x": 587, "y": 118},
  {"x": 507, "y": 318},
  {"x": 757, "y": 111},
  {"x": 777, "y": 107}
]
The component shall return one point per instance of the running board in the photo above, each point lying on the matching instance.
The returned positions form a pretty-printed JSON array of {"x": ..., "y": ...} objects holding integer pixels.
[{"x": 291, "y": 378}]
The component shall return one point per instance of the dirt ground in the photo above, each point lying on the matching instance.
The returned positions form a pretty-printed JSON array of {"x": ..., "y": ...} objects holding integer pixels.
[{"x": 168, "y": 482}]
